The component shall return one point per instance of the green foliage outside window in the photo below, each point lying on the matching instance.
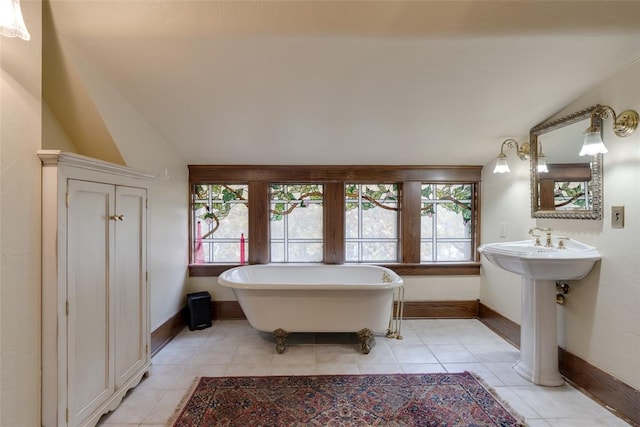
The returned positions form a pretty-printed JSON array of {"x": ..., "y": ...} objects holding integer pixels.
[
  {"x": 296, "y": 212},
  {"x": 217, "y": 207},
  {"x": 374, "y": 195},
  {"x": 458, "y": 194},
  {"x": 292, "y": 195},
  {"x": 213, "y": 203}
]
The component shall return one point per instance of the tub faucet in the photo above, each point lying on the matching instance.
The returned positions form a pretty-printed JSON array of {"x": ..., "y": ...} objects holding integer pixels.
[{"x": 537, "y": 236}]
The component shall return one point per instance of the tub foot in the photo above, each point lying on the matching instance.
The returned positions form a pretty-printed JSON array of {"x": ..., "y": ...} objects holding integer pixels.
[
  {"x": 281, "y": 336},
  {"x": 365, "y": 336},
  {"x": 395, "y": 335}
]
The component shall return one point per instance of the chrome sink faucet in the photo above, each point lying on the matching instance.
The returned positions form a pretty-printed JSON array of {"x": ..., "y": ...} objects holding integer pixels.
[{"x": 537, "y": 236}]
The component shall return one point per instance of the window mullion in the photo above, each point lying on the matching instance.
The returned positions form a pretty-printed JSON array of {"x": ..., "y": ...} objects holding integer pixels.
[
  {"x": 334, "y": 223},
  {"x": 259, "y": 218},
  {"x": 410, "y": 198}
]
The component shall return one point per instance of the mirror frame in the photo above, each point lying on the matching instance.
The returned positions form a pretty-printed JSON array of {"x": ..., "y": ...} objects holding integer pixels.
[{"x": 596, "y": 169}]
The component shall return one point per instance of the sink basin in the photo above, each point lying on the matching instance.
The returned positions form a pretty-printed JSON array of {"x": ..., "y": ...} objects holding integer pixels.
[
  {"x": 539, "y": 268},
  {"x": 572, "y": 262}
]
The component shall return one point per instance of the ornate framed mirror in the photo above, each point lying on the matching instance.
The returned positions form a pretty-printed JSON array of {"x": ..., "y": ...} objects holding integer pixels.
[{"x": 571, "y": 187}]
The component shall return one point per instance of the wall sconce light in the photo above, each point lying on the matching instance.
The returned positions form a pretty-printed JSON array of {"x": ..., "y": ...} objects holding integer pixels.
[
  {"x": 623, "y": 125},
  {"x": 542, "y": 161},
  {"x": 522, "y": 150},
  {"x": 11, "y": 21}
]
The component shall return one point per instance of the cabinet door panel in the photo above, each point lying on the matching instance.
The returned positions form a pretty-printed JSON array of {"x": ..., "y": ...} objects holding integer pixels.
[
  {"x": 90, "y": 338},
  {"x": 130, "y": 285}
]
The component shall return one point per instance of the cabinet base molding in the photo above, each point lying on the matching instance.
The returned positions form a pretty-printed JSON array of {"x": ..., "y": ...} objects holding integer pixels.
[{"x": 115, "y": 399}]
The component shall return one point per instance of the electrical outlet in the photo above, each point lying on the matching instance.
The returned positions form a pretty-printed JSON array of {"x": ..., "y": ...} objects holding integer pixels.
[{"x": 617, "y": 216}]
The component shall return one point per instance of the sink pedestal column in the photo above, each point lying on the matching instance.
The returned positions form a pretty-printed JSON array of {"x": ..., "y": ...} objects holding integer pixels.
[{"x": 538, "y": 334}]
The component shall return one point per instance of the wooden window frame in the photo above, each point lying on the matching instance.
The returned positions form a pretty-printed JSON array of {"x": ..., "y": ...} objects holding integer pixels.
[{"x": 334, "y": 178}]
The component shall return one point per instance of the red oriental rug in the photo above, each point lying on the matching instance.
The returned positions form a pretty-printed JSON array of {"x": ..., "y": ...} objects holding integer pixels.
[{"x": 454, "y": 399}]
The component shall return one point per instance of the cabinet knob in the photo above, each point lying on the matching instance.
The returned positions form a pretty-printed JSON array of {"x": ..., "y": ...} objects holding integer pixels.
[{"x": 117, "y": 217}]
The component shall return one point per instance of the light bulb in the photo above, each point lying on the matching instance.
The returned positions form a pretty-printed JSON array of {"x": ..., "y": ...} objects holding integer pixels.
[
  {"x": 542, "y": 164},
  {"x": 593, "y": 144},
  {"x": 501, "y": 165}
]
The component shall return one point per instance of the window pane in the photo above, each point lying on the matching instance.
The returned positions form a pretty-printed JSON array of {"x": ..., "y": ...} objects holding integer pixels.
[
  {"x": 306, "y": 222},
  {"x": 459, "y": 251},
  {"x": 451, "y": 222},
  {"x": 296, "y": 222},
  {"x": 379, "y": 251},
  {"x": 277, "y": 252},
  {"x": 351, "y": 223},
  {"x": 305, "y": 252},
  {"x": 371, "y": 222},
  {"x": 379, "y": 223},
  {"x": 426, "y": 252},
  {"x": 223, "y": 252},
  {"x": 277, "y": 230},
  {"x": 426, "y": 223},
  {"x": 351, "y": 251},
  {"x": 221, "y": 220},
  {"x": 446, "y": 208}
]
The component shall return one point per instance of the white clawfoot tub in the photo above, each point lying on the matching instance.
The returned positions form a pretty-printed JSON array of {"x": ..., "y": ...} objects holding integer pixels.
[{"x": 284, "y": 298}]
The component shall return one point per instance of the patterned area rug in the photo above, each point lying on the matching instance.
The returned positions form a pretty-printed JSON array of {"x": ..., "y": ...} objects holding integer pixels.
[{"x": 454, "y": 399}]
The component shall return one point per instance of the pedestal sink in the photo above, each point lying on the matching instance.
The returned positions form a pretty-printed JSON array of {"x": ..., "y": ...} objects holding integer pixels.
[{"x": 540, "y": 267}]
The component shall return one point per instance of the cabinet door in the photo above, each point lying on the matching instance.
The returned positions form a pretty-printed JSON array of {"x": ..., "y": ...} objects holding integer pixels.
[
  {"x": 130, "y": 296},
  {"x": 90, "y": 341}
]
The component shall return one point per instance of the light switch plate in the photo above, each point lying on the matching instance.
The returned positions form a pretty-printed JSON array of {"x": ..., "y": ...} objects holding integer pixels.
[
  {"x": 503, "y": 230},
  {"x": 617, "y": 216}
]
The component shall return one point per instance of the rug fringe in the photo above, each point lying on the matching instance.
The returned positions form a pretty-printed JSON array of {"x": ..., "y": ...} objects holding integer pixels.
[
  {"x": 178, "y": 411},
  {"x": 504, "y": 403}
]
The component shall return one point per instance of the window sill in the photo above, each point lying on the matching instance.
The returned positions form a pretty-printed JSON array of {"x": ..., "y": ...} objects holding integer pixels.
[{"x": 442, "y": 269}]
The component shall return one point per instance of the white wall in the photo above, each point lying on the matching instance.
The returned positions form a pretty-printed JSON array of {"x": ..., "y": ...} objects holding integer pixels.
[
  {"x": 417, "y": 288},
  {"x": 53, "y": 135},
  {"x": 505, "y": 204},
  {"x": 20, "y": 136},
  {"x": 143, "y": 148},
  {"x": 600, "y": 321}
]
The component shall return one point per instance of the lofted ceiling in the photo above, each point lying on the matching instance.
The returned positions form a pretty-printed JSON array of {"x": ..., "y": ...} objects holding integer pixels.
[{"x": 347, "y": 82}]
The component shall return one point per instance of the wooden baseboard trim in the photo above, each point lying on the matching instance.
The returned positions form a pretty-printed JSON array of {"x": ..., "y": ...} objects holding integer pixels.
[
  {"x": 622, "y": 399},
  {"x": 227, "y": 310},
  {"x": 440, "y": 309},
  {"x": 172, "y": 327},
  {"x": 167, "y": 331},
  {"x": 507, "y": 329}
]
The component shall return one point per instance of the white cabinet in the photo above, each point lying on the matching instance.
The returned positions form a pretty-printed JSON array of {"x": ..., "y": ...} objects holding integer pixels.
[{"x": 95, "y": 304}]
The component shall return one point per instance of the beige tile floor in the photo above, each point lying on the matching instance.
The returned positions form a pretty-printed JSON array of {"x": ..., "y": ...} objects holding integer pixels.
[{"x": 234, "y": 348}]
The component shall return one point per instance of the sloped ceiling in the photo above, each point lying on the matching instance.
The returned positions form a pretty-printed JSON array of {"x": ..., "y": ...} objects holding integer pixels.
[
  {"x": 68, "y": 98},
  {"x": 349, "y": 82}
]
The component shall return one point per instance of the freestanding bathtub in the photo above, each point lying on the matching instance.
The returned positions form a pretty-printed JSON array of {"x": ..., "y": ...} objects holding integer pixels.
[{"x": 285, "y": 298}]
